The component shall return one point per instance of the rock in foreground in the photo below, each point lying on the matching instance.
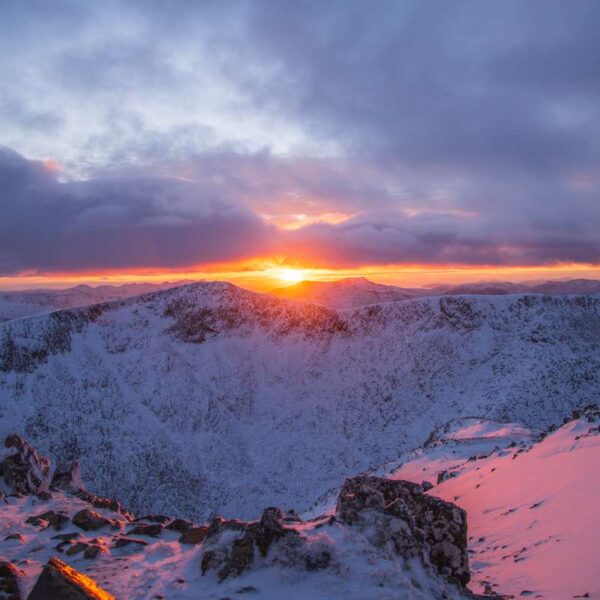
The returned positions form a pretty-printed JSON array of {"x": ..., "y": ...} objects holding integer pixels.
[{"x": 59, "y": 580}]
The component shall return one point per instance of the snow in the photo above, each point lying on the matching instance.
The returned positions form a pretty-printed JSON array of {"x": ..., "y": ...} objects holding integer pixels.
[
  {"x": 281, "y": 401},
  {"x": 166, "y": 568},
  {"x": 533, "y": 514}
]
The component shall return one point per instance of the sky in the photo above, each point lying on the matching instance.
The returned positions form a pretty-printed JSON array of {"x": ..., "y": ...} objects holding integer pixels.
[{"x": 410, "y": 141}]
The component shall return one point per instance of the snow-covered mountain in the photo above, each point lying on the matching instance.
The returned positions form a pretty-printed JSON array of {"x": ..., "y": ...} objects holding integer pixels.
[
  {"x": 15, "y": 305},
  {"x": 354, "y": 292},
  {"x": 209, "y": 398},
  {"x": 351, "y": 292}
]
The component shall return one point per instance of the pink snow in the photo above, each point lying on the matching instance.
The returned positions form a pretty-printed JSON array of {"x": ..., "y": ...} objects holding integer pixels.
[{"x": 533, "y": 519}]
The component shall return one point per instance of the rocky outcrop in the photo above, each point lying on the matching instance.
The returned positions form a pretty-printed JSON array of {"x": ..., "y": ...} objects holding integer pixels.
[
  {"x": 257, "y": 538},
  {"x": 9, "y": 581},
  {"x": 90, "y": 520},
  {"x": 415, "y": 523},
  {"x": 394, "y": 522},
  {"x": 395, "y": 514},
  {"x": 59, "y": 580},
  {"x": 67, "y": 479},
  {"x": 23, "y": 470},
  {"x": 106, "y": 503},
  {"x": 49, "y": 518}
]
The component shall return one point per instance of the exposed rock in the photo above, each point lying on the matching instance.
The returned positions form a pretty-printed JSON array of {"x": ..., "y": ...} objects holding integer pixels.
[
  {"x": 67, "y": 536},
  {"x": 417, "y": 524},
  {"x": 194, "y": 535},
  {"x": 219, "y": 524},
  {"x": 291, "y": 516},
  {"x": 107, "y": 503},
  {"x": 49, "y": 518},
  {"x": 90, "y": 520},
  {"x": 142, "y": 529},
  {"x": 24, "y": 470},
  {"x": 9, "y": 581},
  {"x": 180, "y": 525},
  {"x": 444, "y": 475},
  {"x": 60, "y": 581},
  {"x": 154, "y": 519},
  {"x": 93, "y": 550},
  {"x": 68, "y": 479},
  {"x": 14, "y": 536},
  {"x": 238, "y": 557},
  {"x": 76, "y": 548},
  {"x": 125, "y": 541}
]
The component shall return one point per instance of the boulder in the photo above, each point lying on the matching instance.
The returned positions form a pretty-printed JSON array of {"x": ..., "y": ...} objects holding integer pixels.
[
  {"x": 93, "y": 550},
  {"x": 68, "y": 478},
  {"x": 415, "y": 523},
  {"x": 59, "y": 580},
  {"x": 154, "y": 519},
  {"x": 126, "y": 541},
  {"x": 180, "y": 525},
  {"x": 194, "y": 535},
  {"x": 76, "y": 548},
  {"x": 90, "y": 520},
  {"x": 153, "y": 530},
  {"x": 9, "y": 581},
  {"x": 50, "y": 518},
  {"x": 24, "y": 470}
]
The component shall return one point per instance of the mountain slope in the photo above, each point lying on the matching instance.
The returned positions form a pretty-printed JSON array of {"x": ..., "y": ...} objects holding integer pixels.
[
  {"x": 211, "y": 398},
  {"x": 532, "y": 507}
]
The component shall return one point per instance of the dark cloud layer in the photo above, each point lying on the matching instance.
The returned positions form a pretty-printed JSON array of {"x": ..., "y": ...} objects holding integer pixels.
[
  {"x": 464, "y": 132},
  {"x": 127, "y": 222}
]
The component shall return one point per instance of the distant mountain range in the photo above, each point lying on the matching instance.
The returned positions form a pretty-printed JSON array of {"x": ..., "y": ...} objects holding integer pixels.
[
  {"x": 358, "y": 291},
  {"x": 14, "y": 305},
  {"x": 352, "y": 292}
]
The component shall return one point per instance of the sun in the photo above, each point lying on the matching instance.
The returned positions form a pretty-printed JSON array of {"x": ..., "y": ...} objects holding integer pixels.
[{"x": 290, "y": 275}]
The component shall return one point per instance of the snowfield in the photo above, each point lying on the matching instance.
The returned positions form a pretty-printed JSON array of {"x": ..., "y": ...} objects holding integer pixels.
[
  {"x": 208, "y": 398},
  {"x": 532, "y": 509}
]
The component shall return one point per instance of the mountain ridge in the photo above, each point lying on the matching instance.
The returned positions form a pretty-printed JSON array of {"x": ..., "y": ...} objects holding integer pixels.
[{"x": 221, "y": 388}]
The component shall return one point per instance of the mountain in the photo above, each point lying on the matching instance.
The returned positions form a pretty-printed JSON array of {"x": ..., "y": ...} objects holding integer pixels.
[
  {"x": 355, "y": 292},
  {"x": 209, "y": 398},
  {"x": 573, "y": 286},
  {"x": 351, "y": 292},
  {"x": 15, "y": 305}
]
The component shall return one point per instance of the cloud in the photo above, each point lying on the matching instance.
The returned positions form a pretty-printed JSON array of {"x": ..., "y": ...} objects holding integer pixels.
[
  {"x": 119, "y": 224},
  {"x": 444, "y": 133},
  {"x": 128, "y": 221}
]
